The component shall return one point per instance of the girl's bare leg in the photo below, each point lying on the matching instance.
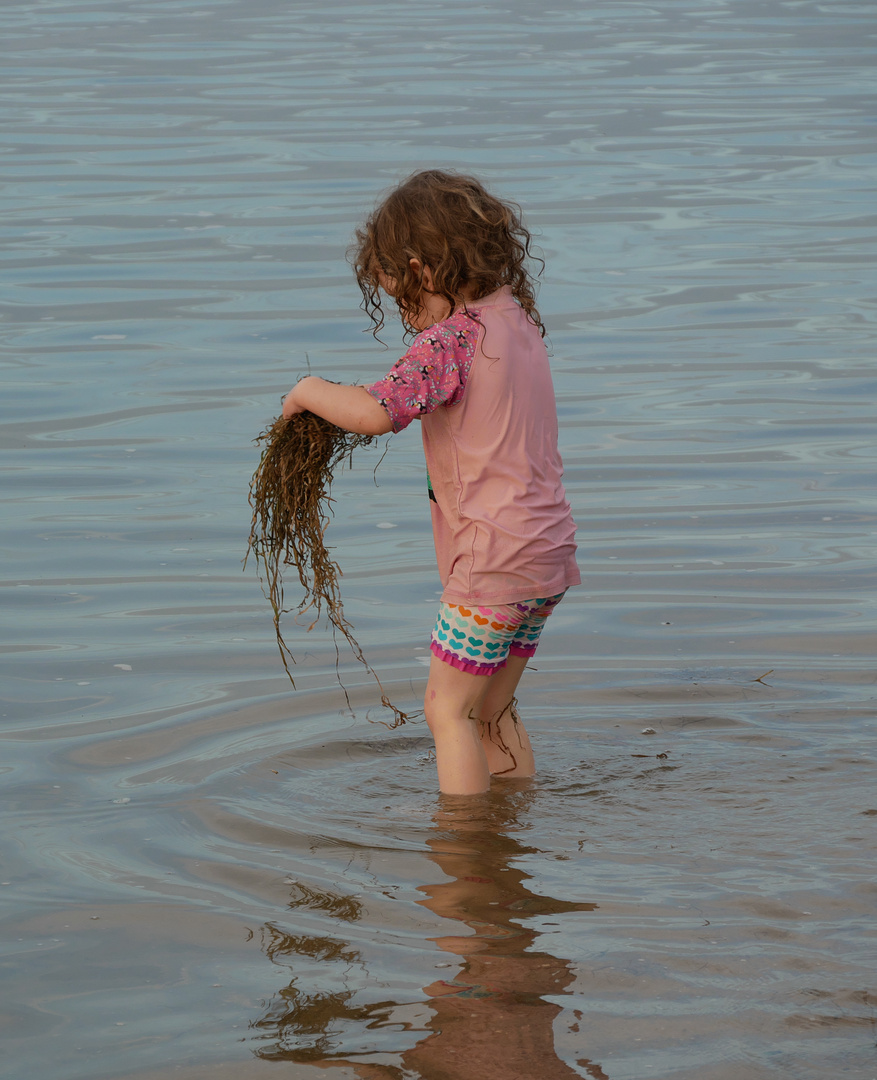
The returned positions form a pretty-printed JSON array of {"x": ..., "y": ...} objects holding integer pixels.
[
  {"x": 503, "y": 735},
  {"x": 473, "y": 721},
  {"x": 452, "y": 706}
]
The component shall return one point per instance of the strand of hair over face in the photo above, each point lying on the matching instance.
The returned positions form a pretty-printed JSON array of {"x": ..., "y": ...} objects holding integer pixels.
[{"x": 291, "y": 502}]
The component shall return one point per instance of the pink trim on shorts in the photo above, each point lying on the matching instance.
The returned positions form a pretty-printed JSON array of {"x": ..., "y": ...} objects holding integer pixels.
[
  {"x": 516, "y": 649},
  {"x": 465, "y": 665}
]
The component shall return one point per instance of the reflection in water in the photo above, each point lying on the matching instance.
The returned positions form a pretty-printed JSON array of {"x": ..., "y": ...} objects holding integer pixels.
[
  {"x": 303, "y": 1023},
  {"x": 494, "y": 1018}
]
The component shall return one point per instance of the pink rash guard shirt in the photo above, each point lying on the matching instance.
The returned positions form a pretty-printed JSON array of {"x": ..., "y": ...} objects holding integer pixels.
[{"x": 480, "y": 383}]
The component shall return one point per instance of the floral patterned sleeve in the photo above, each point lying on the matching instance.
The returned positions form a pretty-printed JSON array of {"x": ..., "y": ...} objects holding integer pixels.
[{"x": 432, "y": 373}]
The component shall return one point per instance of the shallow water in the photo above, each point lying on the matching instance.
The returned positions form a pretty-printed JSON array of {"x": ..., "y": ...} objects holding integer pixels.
[{"x": 206, "y": 872}]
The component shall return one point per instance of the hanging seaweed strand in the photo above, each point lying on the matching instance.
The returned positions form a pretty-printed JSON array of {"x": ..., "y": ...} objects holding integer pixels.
[{"x": 291, "y": 501}]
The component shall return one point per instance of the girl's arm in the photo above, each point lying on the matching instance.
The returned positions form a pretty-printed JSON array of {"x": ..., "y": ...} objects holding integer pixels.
[{"x": 349, "y": 407}]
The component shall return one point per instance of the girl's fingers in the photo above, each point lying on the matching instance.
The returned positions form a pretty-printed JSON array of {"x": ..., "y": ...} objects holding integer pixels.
[{"x": 290, "y": 408}]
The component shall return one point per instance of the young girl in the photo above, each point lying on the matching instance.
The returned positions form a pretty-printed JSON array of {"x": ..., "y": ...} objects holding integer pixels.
[{"x": 452, "y": 257}]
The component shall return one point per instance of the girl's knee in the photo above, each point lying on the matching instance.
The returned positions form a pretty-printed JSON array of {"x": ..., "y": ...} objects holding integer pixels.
[
  {"x": 432, "y": 710},
  {"x": 430, "y": 714},
  {"x": 443, "y": 715},
  {"x": 500, "y": 710}
]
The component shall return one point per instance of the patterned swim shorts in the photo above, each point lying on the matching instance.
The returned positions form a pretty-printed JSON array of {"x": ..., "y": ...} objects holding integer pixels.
[{"x": 481, "y": 639}]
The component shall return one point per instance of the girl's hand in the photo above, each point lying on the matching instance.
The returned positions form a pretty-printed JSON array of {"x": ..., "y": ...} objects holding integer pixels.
[
  {"x": 291, "y": 406},
  {"x": 350, "y": 407}
]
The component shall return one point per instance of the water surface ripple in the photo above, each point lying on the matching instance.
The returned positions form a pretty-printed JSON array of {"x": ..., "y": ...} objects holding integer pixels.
[{"x": 207, "y": 873}]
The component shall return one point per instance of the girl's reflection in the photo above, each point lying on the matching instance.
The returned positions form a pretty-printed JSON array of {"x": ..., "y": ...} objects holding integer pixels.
[{"x": 494, "y": 1017}]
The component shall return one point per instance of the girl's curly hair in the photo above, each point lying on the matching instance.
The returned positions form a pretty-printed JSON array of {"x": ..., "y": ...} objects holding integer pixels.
[{"x": 473, "y": 243}]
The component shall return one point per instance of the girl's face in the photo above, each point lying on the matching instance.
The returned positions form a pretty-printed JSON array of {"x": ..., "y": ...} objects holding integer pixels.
[
  {"x": 433, "y": 308},
  {"x": 387, "y": 283}
]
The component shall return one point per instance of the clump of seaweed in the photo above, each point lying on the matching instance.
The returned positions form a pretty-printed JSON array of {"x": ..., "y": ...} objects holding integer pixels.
[{"x": 291, "y": 501}]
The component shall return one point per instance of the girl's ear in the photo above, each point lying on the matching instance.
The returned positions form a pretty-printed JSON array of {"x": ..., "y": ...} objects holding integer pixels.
[{"x": 421, "y": 271}]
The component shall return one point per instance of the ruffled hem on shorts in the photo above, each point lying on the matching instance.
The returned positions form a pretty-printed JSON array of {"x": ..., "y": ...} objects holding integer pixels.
[{"x": 474, "y": 668}]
